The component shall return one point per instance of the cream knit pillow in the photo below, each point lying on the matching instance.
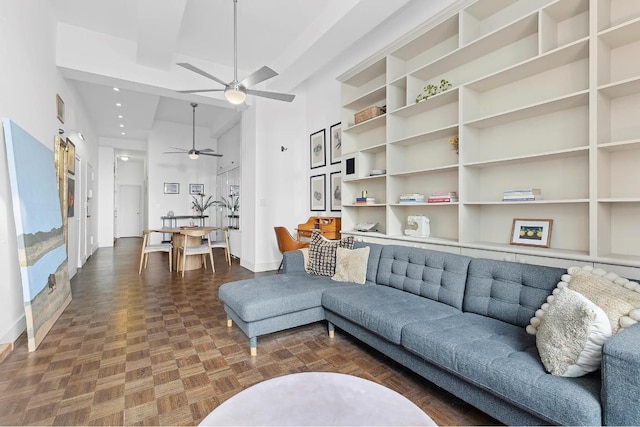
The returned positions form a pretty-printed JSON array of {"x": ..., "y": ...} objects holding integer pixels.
[{"x": 351, "y": 265}]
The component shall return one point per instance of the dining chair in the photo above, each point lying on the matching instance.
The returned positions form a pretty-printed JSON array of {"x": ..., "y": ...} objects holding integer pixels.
[
  {"x": 286, "y": 242},
  {"x": 148, "y": 248},
  {"x": 223, "y": 243},
  {"x": 203, "y": 248}
]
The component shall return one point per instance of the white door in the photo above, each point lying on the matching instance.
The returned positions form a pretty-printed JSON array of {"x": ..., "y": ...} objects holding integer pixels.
[{"x": 129, "y": 211}]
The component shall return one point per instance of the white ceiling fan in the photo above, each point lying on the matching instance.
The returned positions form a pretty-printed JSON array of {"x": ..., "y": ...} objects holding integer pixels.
[
  {"x": 236, "y": 91},
  {"x": 193, "y": 153}
]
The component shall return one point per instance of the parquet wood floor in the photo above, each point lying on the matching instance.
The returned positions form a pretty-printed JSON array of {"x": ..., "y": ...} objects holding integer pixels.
[{"x": 154, "y": 349}]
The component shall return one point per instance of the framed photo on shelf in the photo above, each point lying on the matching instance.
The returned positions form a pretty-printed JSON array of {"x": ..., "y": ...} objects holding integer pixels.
[
  {"x": 60, "y": 108},
  {"x": 71, "y": 157},
  {"x": 335, "y": 190},
  {"x": 531, "y": 232},
  {"x": 335, "y": 136},
  {"x": 317, "y": 193},
  {"x": 196, "y": 189},
  {"x": 318, "y": 149},
  {"x": 171, "y": 188}
]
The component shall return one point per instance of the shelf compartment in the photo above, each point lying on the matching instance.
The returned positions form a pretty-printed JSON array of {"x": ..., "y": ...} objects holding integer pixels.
[
  {"x": 618, "y": 111},
  {"x": 551, "y": 106},
  {"x": 364, "y": 213},
  {"x": 436, "y": 118},
  {"x": 618, "y": 231},
  {"x": 364, "y": 81},
  {"x": 422, "y": 183},
  {"x": 547, "y": 134},
  {"x": 435, "y": 43},
  {"x": 614, "y": 13},
  {"x": 548, "y": 155},
  {"x": 444, "y": 132},
  {"x": 443, "y": 220},
  {"x": 617, "y": 50},
  {"x": 559, "y": 178},
  {"x": 504, "y": 47},
  {"x": 367, "y": 125},
  {"x": 618, "y": 172},
  {"x": 563, "y": 22},
  {"x": 374, "y": 97},
  {"x": 440, "y": 169},
  {"x": 412, "y": 109},
  {"x": 489, "y": 225}
]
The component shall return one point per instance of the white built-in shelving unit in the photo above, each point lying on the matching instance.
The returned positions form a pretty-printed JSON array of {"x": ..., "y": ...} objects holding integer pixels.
[{"x": 545, "y": 94}]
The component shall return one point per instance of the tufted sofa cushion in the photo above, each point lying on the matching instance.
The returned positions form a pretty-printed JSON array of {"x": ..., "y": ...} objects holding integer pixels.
[
  {"x": 508, "y": 291},
  {"x": 439, "y": 276}
]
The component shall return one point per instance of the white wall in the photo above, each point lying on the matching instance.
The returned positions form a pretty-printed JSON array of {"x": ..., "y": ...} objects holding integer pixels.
[
  {"x": 229, "y": 145},
  {"x": 29, "y": 82}
]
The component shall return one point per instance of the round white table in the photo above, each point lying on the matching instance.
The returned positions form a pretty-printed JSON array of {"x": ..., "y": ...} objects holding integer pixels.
[{"x": 317, "y": 398}]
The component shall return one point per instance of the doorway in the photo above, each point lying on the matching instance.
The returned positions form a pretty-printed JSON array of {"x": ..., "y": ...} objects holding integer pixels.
[{"x": 128, "y": 221}]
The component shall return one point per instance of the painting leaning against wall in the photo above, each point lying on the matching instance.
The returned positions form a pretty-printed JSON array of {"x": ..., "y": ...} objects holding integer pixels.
[{"x": 42, "y": 251}]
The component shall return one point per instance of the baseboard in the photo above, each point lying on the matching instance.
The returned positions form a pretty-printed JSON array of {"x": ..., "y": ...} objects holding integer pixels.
[
  {"x": 259, "y": 268},
  {"x": 5, "y": 350},
  {"x": 12, "y": 333}
]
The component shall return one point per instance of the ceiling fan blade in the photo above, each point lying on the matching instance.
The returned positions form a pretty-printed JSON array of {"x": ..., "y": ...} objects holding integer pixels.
[
  {"x": 201, "y": 72},
  {"x": 180, "y": 149},
  {"x": 258, "y": 76},
  {"x": 207, "y": 150},
  {"x": 273, "y": 95},
  {"x": 174, "y": 152},
  {"x": 210, "y": 154},
  {"x": 201, "y": 90}
]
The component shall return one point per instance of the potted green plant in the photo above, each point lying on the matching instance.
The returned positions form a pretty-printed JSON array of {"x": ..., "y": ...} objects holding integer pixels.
[{"x": 201, "y": 205}]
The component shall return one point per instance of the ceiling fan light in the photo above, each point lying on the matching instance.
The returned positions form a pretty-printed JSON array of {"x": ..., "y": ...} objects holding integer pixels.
[
  {"x": 235, "y": 96},
  {"x": 193, "y": 156}
]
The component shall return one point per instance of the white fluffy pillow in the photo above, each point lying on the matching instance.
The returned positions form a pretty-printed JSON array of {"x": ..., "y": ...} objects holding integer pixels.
[
  {"x": 351, "y": 265},
  {"x": 570, "y": 335}
]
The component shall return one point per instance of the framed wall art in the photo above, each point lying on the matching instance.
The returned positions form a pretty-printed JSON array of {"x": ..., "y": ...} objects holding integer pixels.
[
  {"x": 531, "y": 232},
  {"x": 196, "y": 188},
  {"x": 317, "y": 149},
  {"x": 317, "y": 193},
  {"x": 60, "y": 108},
  {"x": 171, "y": 188},
  {"x": 335, "y": 136},
  {"x": 71, "y": 157},
  {"x": 335, "y": 189}
]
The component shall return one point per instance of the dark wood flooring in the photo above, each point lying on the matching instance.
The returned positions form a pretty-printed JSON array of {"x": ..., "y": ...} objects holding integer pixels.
[{"x": 154, "y": 349}]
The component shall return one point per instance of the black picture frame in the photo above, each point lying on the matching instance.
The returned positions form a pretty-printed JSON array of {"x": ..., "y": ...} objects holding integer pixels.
[
  {"x": 317, "y": 193},
  {"x": 196, "y": 189},
  {"x": 317, "y": 149},
  {"x": 335, "y": 143},
  {"x": 335, "y": 191},
  {"x": 171, "y": 188}
]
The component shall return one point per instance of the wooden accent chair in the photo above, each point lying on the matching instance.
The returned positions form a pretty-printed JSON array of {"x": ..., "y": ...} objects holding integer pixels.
[
  {"x": 149, "y": 248},
  {"x": 189, "y": 247},
  {"x": 286, "y": 242},
  {"x": 224, "y": 243}
]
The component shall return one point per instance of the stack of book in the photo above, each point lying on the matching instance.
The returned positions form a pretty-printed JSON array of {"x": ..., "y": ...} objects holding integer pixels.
[
  {"x": 522, "y": 195},
  {"x": 443, "y": 197},
  {"x": 365, "y": 200},
  {"x": 409, "y": 198}
]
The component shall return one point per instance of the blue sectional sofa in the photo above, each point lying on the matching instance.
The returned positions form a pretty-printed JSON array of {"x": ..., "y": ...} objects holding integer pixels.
[{"x": 457, "y": 321}]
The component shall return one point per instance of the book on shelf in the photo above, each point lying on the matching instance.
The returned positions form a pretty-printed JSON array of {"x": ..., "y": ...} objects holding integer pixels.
[
  {"x": 411, "y": 198},
  {"x": 523, "y": 192},
  {"x": 521, "y": 198},
  {"x": 440, "y": 194},
  {"x": 365, "y": 200},
  {"x": 442, "y": 199}
]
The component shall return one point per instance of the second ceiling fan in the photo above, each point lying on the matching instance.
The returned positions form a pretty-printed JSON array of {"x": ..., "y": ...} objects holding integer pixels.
[
  {"x": 236, "y": 91},
  {"x": 193, "y": 153}
]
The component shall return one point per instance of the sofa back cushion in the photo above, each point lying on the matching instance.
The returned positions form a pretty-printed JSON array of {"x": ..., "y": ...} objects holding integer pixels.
[
  {"x": 439, "y": 276},
  {"x": 374, "y": 259},
  {"x": 508, "y": 291}
]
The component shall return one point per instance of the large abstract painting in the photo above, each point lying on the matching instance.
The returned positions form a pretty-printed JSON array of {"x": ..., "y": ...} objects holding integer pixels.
[{"x": 39, "y": 229}]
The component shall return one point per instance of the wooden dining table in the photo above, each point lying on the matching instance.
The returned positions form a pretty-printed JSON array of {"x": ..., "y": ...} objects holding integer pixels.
[{"x": 177, "y": 239}]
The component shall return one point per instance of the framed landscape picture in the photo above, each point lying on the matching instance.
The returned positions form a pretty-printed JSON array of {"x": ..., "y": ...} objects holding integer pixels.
[
  {"x": 335, "y": 190},
  {"x": 171, "y": 188},
  {"x": 317, "y": 149},
  {"x": 317, "y": 193},
  {"x": 335, "y": 134},
  {"x": 531, "y": 232},
  {"x": 196, "y": 188}
]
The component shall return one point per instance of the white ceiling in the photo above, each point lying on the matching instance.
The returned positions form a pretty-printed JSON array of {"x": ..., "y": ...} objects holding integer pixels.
[{"x": 294, "y": 37}]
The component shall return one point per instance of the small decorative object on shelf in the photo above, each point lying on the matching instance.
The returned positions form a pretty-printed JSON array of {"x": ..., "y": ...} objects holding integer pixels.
[
  {"x": 369, "y": 113},
  {"x": 453, "y": 141},
  {"x": 522, "y": 195},
  {"x": 365, "y": 200},
  {"x": 432, "y": 90},
  {"x": 411, "y": 198}
]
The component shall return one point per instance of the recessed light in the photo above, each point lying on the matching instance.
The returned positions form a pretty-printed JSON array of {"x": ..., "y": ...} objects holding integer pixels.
[
  {"x": 118, "y": 104},
  {"x": 120, "y": 116},
  {"x": 121, "y": 125},
  {"x": 117, "y": 89},
  {"x": 122, "y": 133},
  {"x": 124, "y": 158}
]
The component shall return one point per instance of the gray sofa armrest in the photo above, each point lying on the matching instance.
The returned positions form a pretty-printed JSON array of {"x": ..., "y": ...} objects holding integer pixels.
[
  {"x": 293, "y": 262},
  {"x": 621, "y": 378}
]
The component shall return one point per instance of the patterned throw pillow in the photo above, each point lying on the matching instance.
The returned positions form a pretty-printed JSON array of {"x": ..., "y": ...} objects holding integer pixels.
[{"x": 322, "y": 254}]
